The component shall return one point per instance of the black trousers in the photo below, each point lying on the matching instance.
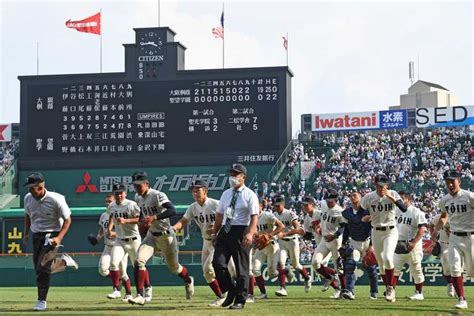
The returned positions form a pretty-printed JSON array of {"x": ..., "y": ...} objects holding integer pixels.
[
  {"x": 43, "y": 273},
  {"x": 230, "y": 245}
]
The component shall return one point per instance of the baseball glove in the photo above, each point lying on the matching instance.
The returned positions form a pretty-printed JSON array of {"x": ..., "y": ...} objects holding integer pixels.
[
  {"x": 92, "y": 239},
  {"x": 262, "y": 240},
  {"x": 143, "y": 229},
  {"x": 402, "y": 247},
  {"x": 436, "y": 249},
  {"x": 369, "y": 259}
]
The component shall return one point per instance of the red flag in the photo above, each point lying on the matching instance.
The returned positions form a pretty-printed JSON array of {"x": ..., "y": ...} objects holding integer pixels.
[
  {"x": 88, "y": 25},
  {"x": 285, "y": 42}
]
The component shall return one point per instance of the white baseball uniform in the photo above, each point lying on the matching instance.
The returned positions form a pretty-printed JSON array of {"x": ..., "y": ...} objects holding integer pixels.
[
  {"x": 443, "y": 239},
  {"x": 160, "y": 236},
  {"x": 127, "y": 238},
  {"x": 266, "y": 224},
  {"x": 106, "y": 256},
  {"x": 384, "y": 231},
  {"x": 288, "y": 245},
  {"x": 204, "y": 216},
  {"x": 407, "y": 225},
  {"x": 460, "y": 209},
  {"x": 308, "y": 228},
  {"x": 331, "y": 219}
]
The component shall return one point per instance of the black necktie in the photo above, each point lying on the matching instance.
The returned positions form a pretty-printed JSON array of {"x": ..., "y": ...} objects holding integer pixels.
[{"x": 228, "y": 221}]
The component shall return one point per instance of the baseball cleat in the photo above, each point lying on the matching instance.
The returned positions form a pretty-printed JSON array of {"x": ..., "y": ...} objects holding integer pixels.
[
  {"x": 140, "y": 300},
  {"x": 189, "y": 288},
  {"x": 262, "y": 296},
  {"x": 461, "y": 304},
  {"x": 336, "y": 295},
  {"x": 281, "y": 292},
  {"x": 327, "y": 283},
  {"x": 69, "y": 261},
  {"x": 417, "y": 296},
  {"x": 217, "y": 302},
  {"x": 348, "y": 295},
  {"x": 373, "y": 296},
  {"x": 307, "y": 285},
  {"x": 115, "y": 294},
  {"x": 40, "y": 306},
  {"x": 148, "y": 294},
  {"x": 451, "y": 291},
  {"x": 126, "y": 298},
  {"x": 250, "y": 299},
  {"x": 390, "y": 297}
]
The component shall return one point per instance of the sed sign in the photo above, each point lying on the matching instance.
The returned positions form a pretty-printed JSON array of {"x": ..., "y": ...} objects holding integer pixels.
[{"x": 445, "y": 116}]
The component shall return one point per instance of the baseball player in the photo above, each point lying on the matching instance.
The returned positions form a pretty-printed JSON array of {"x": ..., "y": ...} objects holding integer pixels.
[
  {"x": 443, "y": 239},
  {"x": 411, "y": 227},
  {"x": 124, "y": 216},
  {"x": 203, "y": 212},
  {"x": 331, "y": 224},
  {"x": 289, "y": 245},
  {"x": 156, "y": 210},
  {"x": 311, "y": 229},
  {"x": 105, "y": 257},
  {"x": 270, "y": 225},
  {"x": 357, "y": 232},
  {"x": 457, "y": 208},
  {"x": 49, "y": 217},
  {"x": 382, "y": 205}
]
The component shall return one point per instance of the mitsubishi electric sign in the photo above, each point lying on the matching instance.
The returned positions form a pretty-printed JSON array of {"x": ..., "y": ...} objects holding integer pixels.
[{"x": 334, "y": 122}]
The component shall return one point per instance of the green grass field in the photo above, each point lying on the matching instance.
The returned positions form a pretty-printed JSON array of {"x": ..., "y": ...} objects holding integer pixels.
[{"x": 171, "y": 301}]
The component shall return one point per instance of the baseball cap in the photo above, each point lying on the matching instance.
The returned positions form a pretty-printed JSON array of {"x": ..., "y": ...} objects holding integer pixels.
[
  {"x": 279, "y": 200},
  {"x": 196, "y": 184},
  {"x": 34, "y": 179},
  {"x": 381, "y": 179},
  {"x": 331, "y": 195},
  {"x": 116, "y": 188},
  {"x": 451, "y": 174},
  {"x": 139, "y": 177},
  {"x": 309, "y": 200},
  {"x": 237, "y": 167}
]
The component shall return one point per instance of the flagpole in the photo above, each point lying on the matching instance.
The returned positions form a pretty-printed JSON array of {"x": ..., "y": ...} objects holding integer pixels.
[
  {"x": 37, "y": 59},
  {"x": 101, "y": 29},
  {"x": 159, "y": 9},
  {"x": 223, "y": 37}
]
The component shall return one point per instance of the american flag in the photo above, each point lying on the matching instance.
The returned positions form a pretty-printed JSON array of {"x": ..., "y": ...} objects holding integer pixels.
[
  {"x": 218, "y": 31},
  {"x": 285, "y": 42}
]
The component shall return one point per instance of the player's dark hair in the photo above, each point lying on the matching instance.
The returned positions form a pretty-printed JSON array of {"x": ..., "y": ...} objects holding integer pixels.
[{"x": 405, "y": 195}]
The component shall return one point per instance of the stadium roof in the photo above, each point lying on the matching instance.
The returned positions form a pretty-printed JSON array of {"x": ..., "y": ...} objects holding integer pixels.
[{"x": 434, "y": 85}]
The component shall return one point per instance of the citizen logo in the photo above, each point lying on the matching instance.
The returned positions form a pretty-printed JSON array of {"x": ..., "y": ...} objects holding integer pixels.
[{"x": 151, "y": 58}]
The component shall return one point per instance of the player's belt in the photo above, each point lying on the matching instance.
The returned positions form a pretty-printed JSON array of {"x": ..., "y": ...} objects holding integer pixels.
[
  {"x": 129, "y": 239},
  {"x": 288, "y": 239},
  {"x": 384, "y": 228},
  {"x": 463, "y": 234},
  {"x": 159, "y": 234}
]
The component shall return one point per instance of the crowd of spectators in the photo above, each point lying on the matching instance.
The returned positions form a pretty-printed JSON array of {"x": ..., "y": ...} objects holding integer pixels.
[
  {"x": 8, "y": 154},
  {"x": 414, "y": 160}
]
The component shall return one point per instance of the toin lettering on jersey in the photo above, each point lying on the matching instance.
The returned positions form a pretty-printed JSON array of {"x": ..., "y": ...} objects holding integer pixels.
[
  {"x": 456, "y": 208},
  {"x": 382, "y": 207},
  {"x": 205, "y": 218}
]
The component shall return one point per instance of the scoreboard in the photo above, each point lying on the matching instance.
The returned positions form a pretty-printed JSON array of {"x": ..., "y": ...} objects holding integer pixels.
[{"x": 163, "y": 116}]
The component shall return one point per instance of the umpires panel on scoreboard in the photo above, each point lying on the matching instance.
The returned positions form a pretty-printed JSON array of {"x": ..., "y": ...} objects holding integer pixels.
[{"x": 155, "y": 113}]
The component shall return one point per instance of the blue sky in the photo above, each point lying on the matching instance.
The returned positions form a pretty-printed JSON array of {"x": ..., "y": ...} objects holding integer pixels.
[{"x": 346, "y": 55}]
